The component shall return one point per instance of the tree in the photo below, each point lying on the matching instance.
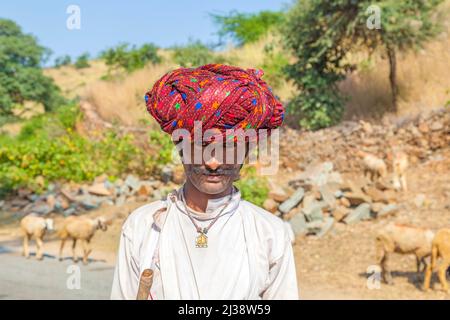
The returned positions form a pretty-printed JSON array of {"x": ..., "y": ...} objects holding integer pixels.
[
  {"x": 195, "y": 54},
  {"x": 321, "y": 33},
  {"x": 63, "y": 61},
  {"x": 21, "y": 77},
  {"x": 247, "y": 28},
  {"x": 130, "y": 59},
  {"x": 82, "y": 61}
]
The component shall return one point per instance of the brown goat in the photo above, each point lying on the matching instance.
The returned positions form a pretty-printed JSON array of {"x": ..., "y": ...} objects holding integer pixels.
[
  {"x": 396, "y": 238},
  {"x": 440, "y": 249},
  {"x": 80, "y": 228}
]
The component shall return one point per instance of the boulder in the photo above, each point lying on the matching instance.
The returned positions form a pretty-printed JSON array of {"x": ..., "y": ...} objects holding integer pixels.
[
  {"x": 362, "y": 212},
  {"x": 356, "y": 198},
  {"x": 99, "y": 189},
  {"x": 293, "y": 201},
  {"x": 340, "y": 213},
  {"x": 270, "y": 205},
  {"x": 278, "y": 194},
  {"x": 298, "y": 224},
  {"x": 314, "y": 211}
]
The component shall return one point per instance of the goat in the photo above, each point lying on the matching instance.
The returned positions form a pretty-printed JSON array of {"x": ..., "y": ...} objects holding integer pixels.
[
  {"x": 33, "y": 225},
  {"x": 80, "y": 228}
]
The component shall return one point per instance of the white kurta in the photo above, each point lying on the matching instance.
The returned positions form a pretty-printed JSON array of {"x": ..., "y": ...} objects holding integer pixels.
[{"x": 249, "y": 253}]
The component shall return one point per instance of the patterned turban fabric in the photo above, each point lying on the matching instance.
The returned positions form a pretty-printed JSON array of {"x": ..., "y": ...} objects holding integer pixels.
[{"x": 220, "y": 96}]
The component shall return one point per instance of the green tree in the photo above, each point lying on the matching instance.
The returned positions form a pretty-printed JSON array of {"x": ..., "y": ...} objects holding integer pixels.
[
  {"x": 82, "y": 61},
  {"x": 130, "y": 58},
  {"x": 21, "y": 77},
  {"x": 63, "y": 61},
  {"x": 321, "y": 33},
  {"x": 247, "y": 28},
  {"x": 195, "y": 54}
]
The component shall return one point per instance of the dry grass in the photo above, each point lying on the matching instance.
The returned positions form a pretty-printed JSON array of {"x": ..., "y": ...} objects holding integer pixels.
[
  {"x": 74, "y": 81},
  {"x": 123, "y": 100},
  {"x": 423, "y": 80}
]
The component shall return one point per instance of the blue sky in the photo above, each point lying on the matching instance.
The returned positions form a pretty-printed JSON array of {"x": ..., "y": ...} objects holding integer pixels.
[{"x": 107, "y": 23}]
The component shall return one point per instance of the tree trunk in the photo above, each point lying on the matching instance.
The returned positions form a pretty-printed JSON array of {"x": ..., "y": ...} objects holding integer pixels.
[{"x": 393, "y": 75}]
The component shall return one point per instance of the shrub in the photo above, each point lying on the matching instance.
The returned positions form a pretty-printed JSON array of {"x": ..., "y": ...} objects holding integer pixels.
[
  {"x": 130, "y": 59},
  {"x": 82, "y": 61},
  {"x": 253, "y": 188}
]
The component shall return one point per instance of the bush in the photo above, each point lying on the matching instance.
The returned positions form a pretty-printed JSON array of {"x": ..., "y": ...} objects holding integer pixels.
[
  {"x": 82, "y": 61},
  {"x": 48, "y": 146},
  {"x": 274, "y": 66},
  {"x": 195, "y": 54},
  {"x": 253, "y": 188},
  {"x": 131, "y": 59},
  {"x": 62, "y": 61}
]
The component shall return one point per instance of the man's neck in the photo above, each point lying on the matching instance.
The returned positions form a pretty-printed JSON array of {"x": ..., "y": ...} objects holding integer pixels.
[{"x": 197, "y": 200}]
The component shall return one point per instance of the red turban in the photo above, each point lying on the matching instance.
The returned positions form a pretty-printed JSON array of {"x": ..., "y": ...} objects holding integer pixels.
[{"x": 220, "y": 96}]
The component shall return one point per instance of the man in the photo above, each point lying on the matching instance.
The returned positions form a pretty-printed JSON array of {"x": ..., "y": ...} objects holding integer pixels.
[{"x": 204, "y": 241}]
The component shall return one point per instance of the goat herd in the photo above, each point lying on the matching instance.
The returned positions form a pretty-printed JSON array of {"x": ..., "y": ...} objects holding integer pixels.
[{"x": 73, "y": 227}]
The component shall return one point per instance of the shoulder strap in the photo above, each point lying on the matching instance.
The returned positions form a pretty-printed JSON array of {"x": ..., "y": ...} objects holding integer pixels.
[{"x": 151, "y": 241}]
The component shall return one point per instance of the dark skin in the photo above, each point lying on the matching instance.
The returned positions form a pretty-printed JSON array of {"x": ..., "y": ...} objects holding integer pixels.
[{"x": 212, "y": 179}]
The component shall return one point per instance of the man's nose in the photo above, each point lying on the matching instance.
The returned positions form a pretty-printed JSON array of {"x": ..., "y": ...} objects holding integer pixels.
[{"x": 212, "y": 164}]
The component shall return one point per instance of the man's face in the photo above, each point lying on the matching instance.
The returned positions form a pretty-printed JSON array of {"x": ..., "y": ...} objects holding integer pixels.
[{"x": 213, "y": 167}]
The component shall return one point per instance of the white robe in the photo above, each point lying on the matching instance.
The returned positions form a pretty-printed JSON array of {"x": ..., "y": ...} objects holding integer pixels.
[{"x": 249, "y": 253}]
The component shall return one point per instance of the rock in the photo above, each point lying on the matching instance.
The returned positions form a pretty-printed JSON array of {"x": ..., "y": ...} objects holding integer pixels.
[
  {"x": 2, "y": 203},
  {"x": 327, "y": 196},
  {"x": 19, "y": 203},
  {"x": 33, "y": 197},
  {"x": 383, "y": 185},
  {"x": 356, "y": 198},
  {"x": 298, "y": 224},
  {"x": 340, "y": 213},
  {"x": 423, "y": 127},
  {"x": 270, "y": 205},
  {"x": 278, "y": 194},
  {"x": 144, "y": 190},
  {"x": 314, "y": 211},
  {"x": 314, "y": 227},
  {"x": 419, "y": 200},
  {"x": 344, "y": 201},
  {"x": 293, "y": 201},
  {"x": 436, "y": 126},
  {"x": 317, "y": 174},
  {"x": 326, "y": 226},
  {"x": 69, "y": 212},
  {"x": 338, "y": 194},
  {"x": 376, "y": 206},
  {"x": 89, "y": 203},
  {"x": 362, "y": 212},
  {"x": 99, "y": 189},
  {"x": 166, "y": 174},
  {"x": 120, "y": 200},
  {"x": 132, "y": 182},
  {"x": 51, "y": 201},
  {"x": 375, "y": 194},
  {"x": 101, "y": 179},
  {"x": 41, "y": 209},
  {"x": 388, "y": 210}
]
